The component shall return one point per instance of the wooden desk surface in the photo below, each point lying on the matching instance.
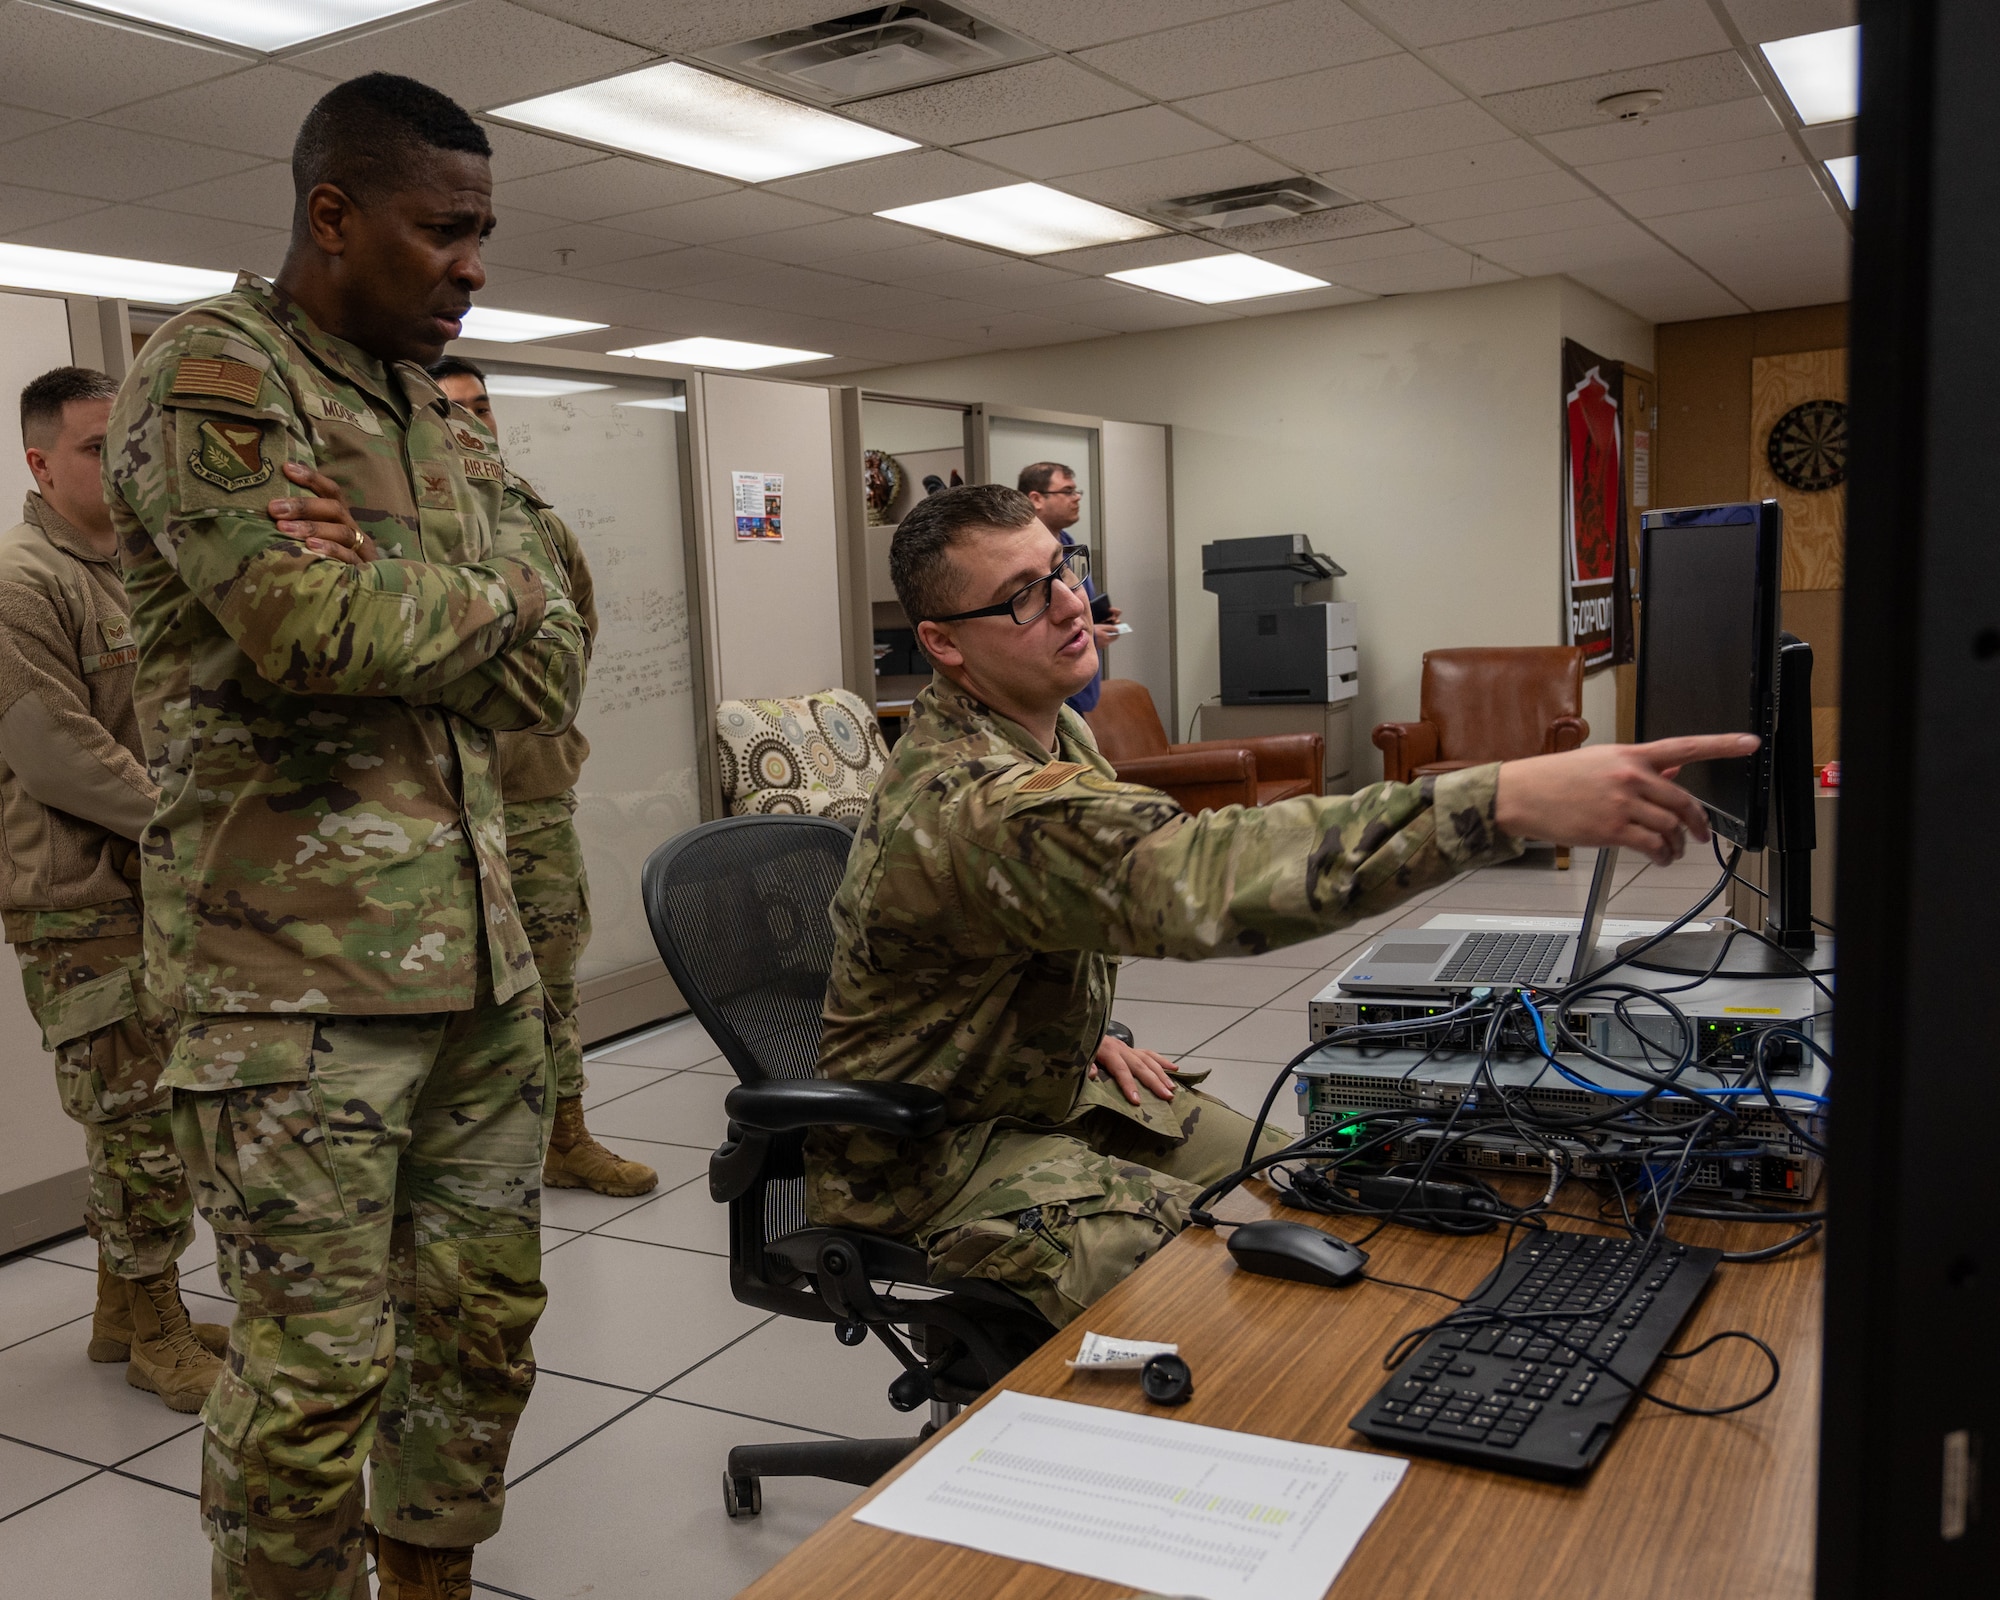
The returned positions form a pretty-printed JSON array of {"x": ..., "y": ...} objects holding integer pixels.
[{"x": 1679, "y": 1507}]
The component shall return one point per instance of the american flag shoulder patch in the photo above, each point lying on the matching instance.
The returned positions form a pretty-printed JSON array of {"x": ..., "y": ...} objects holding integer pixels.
[
  {"x": 216, "y": 377},
  {"x": 1053, "y": 776}
]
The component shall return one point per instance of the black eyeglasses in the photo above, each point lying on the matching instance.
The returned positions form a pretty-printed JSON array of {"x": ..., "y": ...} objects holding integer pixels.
[{"x": 1022, "y": 605}]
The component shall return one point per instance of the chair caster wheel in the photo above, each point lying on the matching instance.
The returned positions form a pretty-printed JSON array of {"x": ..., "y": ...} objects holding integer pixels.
[
  {"x": 742, "y": 1497},
  {"x": 851, "y": 1333}
]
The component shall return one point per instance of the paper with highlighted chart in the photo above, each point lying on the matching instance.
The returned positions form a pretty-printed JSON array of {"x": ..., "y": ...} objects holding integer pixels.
[{"x": 1158, "y": 1505}]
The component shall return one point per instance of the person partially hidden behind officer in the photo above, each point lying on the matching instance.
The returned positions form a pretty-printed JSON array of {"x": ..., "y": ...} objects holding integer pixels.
[
  {"x": 74, "y": 798},
  {"x": 1001, "y": 868},
  {"x": 361, "y": 1080},
  {"x": 538, "y": 774}
]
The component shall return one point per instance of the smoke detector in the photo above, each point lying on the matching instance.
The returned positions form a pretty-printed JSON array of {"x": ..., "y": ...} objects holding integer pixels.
[
  {"x": 875, "y": 51},
  {"x": 1253, "y": 202},
  {"x": 1630, "y": 106}
]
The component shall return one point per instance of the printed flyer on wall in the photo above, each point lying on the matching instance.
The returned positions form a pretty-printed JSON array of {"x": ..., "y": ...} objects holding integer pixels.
[{"x": 760, "y": 504}]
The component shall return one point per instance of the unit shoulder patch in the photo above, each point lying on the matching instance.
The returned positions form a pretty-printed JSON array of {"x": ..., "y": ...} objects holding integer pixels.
[
  {"x": 216, "y": 377},
  {"x": 1053, "y": 776},
  {"x": 229, "y": 454}
]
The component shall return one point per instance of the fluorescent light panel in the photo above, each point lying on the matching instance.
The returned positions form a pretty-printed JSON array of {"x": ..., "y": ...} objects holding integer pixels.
[
  {"x": 1212, "y": 280},
  {"x": 1845, "y": 170},
  {"x": 259, "y": 24},
  {"x": 671, "y": 402},
  {"x": 733, "y": 355},
  {"x": 1821, "y": 72},
  {"x": 1029, "y": 219},
  {"x": 673, "y": 112},
  {"x": 525, "y": 386},
  {"x": 512, "y": 327},
  {"x": 153, "y": 283}
]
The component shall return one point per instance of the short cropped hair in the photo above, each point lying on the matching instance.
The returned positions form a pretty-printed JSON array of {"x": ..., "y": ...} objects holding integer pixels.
[
  {"x": 370, "y": 137},
  {"x": 1036, "y": 476},
  {"x": 455, "y": 367},
  {"x": 919, "y": 560},
  {"x": 43, "y": 400}
]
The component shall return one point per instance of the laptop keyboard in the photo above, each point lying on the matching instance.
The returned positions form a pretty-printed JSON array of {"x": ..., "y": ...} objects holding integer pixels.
[{"x": 1526, "y": 958}]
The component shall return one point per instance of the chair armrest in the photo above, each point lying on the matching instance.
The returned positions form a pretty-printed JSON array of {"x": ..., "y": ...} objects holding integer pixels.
[
  {"x": 1279, "y": 755},
  {"x": 1565, "y": 733},
  {"x": 1405, "y": 746},
  {"x": 904, "y": 1110},
  {"x": 1200, "y": 780}
]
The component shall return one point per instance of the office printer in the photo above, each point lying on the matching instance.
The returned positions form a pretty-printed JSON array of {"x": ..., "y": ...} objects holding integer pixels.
[{"x": 1278, "y": 647}]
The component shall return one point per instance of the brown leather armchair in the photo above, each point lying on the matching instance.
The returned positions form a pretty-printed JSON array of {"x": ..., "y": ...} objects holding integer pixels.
[
  {"x": 1210, "y": 773},
  {"x": 1493, "y": 704}
]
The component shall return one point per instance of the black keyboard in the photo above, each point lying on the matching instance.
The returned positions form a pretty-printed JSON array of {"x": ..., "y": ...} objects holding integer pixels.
[
  {"x": 1525, "y": 958},
  {"x": 1506, "y": 1383}
]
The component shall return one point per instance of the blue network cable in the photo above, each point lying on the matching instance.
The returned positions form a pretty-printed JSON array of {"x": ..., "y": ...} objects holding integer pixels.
[{"x": 1542, "y": 1039}]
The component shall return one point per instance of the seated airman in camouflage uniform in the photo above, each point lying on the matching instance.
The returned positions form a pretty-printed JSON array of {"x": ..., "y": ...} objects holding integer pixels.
[
  {"x": 1000, "y": 869},
  {"x": 362, "y": 1082}
]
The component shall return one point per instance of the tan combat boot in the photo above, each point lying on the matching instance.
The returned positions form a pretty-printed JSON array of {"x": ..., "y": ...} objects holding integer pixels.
[
  {"x": 111, "y": 1323},
  {"x": 166, "y": 1357},
  {"x": 411, "y": 1572},
  {"x": 577, "y": 1161}
]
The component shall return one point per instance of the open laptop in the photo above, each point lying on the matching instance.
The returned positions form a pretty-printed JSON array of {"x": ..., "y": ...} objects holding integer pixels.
[{"x": 1448, "y": 960}]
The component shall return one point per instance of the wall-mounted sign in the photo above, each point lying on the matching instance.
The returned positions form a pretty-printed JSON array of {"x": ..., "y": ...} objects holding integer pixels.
[{"x": 759, "y": 502}]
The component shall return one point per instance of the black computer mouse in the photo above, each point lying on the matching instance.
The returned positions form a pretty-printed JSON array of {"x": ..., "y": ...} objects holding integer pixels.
[{"x": 1297, "y": 1251}]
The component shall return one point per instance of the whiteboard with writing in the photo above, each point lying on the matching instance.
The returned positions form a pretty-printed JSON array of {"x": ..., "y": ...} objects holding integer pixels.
[{"x": 608, "y": 460}]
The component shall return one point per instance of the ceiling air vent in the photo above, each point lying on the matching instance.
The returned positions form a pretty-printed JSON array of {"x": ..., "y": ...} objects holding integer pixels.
[
  {"x": 874, "y": 51},
  {"x": 1253, "y": 202}
]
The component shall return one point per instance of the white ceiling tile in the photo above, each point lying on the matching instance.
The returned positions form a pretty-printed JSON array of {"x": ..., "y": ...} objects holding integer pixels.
[
  {"x": 1068, "y": 297},
  {"x": 971, "y": 283},
  {"x": 1140, "y": 311},
  {"x": 1426, "y": 22},
  {"x": 1145, "y": 183},
  {"x": 601, "y": 341},
  {"x": 1768, "y": 253},
  {"x": 1158, "y": 252},
  {"x": 1760, "y": 20},
  {"x": 1339, "y": 222},
  {"x": 147, "y": 235},
  {"x": 1447, "y": 169},
  {"x": 519, "y": 154},
  {"x": 1697, "y": 81},
  {"x": 1331, "y": 258},
  {"x": 877, "y": 304},
  {"x": 1453, "y": 126},
  {"x": 88, "y": 158},
  {"x": 1571, "y": 251},
  {"x": 1249, "y": 47},
  {"x": 1069, "y": 26},
  {"x": 258, "y": 111},
  {"x": 1609, "y": 41},
  {"x": 726, "y": 216},
  {"x": 261, "y": 197},
  {"x": 1372, "y": 88},
  {"x": 899, "y": 180},
  {"x": 889, "y": 346},
  {"x": 1561, "y": 217},
  {"x": 482, "y": 54},
  {"x": 1664, "y": 131},
  {"x": 76, "y": 66},
  {"x": 673, "y": 270},
  {"x": 826, "y": 371},
  {"x": 1022, "y": 330},
  {"x": 1484, "y": 199},
  {"x": 684, "y": 26},
  {"x": 1668, "y": 291},
  {"x": 606, "y": 188},
  {"x": 569, "y": 246},
  {"x": 1747, "y": 227},
  {"x": 1305, "y": 300},
  {"x": 15, "y": 121},
  {"x": 1421, "y": 272},
  {"x": 784, "y": 288},
  {"x": 30, "y": 208},
  {"x": 1035, "y": 94},
  {"x": 823, "y": 241},
  {"x": 917, "y": 258},
  {"x": 1112, "y": 141},
  {"x": 1705, "y": 194},
  {"x": 1684, "y": 166}
]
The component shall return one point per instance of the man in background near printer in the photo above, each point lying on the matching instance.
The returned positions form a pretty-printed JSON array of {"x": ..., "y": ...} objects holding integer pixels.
[
  {"x": 1053, "y": 491},
  {"x": 538, "y": 774},
  {"x": 74, "y": 799}
]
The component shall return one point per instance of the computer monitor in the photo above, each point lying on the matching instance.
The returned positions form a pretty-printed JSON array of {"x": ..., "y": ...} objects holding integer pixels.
[{"x": 1708, "y": 649}]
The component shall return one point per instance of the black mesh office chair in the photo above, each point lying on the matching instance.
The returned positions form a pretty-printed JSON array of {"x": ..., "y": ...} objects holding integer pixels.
[{"x": 739, "y": 910}]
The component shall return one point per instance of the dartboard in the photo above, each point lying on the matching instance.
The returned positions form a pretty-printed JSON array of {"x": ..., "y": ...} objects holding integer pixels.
[{"x": 1808, "y": 445}]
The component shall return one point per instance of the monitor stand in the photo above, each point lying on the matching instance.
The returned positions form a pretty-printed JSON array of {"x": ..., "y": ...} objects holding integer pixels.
[{"x": 1692, "y": 954}]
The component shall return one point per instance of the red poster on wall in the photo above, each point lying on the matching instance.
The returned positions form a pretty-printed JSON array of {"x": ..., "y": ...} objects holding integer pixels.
[{"x": 1597, "y": 583}]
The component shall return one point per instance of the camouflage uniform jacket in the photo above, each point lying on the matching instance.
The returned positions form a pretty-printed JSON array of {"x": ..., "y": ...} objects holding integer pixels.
[
  {"x": 544, "y": 766},
  {"x": 329, "y": 835},
  {"x": 990, "y": 886}
]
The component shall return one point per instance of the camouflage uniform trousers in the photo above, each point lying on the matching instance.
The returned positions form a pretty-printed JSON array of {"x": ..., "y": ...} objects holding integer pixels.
[
  {"x": 1062, "y": 1215},
  {"x": 375, "y": 1188},
  {"x": 111, "y": 1039},
  {"x": 550, "y": 886}
]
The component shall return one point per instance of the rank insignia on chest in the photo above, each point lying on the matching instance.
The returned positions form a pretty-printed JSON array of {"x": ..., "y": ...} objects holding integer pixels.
[
  {"x": 117, "y": 632},
  {"x": 230, "y": 455}
]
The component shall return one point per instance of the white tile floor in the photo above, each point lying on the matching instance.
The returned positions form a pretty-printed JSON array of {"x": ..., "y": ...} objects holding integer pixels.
[{"x": 650, "y": 1370}]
